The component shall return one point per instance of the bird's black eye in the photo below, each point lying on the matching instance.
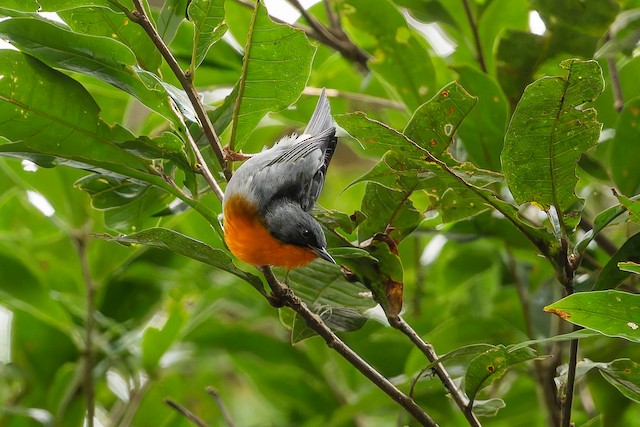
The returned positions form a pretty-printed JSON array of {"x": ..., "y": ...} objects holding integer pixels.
[{"x": 306, "y": 232}]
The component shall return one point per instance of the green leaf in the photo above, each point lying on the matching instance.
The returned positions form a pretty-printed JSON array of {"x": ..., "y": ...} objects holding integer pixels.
[
  {"x": 172, "y": 14},
  {"x": 601, "y": 221},
  {"x": 387, "y": 211},
  {"x": 631, "y": 204},
  {"x": 277, "y": 64},
  {"x": 61, "y": 123},
  {"x": 612, "y": 313},
  {"x": 208, "y": 19},
  {"x": 488, "y": 408},
  {"x": 492, "y": 365},
  {"x": 631, "y": 267},
  {"x": 624, "y": 150},
  {"x": 100, "y": 21},
  {"x": 434, "y": 123},
  {"x": 51, "y": 5},
  {"x": 547, "y": 135},
  {"x": 395, "y": 50},
  {"x": 104, "y": 58},
  {"x": 623, "y": 374},
  {"x": 180, "y": 244},
  {"x": 374, "y": 136},
  {"x": 611, "y": 276},
  {"x": 128, "y": 206}
]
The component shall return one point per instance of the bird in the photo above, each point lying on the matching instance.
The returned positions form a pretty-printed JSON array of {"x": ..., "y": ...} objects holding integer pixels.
[{"x": 268, "y": 200}]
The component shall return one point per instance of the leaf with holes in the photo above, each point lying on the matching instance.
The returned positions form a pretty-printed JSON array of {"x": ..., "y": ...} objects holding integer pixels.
[{"x": 549, "y": 131}]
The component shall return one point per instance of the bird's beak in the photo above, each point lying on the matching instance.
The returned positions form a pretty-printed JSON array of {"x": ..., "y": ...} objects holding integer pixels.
[{"x": 322, "y": 253}]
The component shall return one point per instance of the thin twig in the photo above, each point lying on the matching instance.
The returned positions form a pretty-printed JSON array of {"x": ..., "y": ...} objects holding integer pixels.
[
  {"x": 80, "y": 241},
  {"x": 476, "y": 36},
  {"x": 203, "y": 169},
  {"x": 372, "y": 100},
  {"x": 571, "y": 380},
  {"x": 427, "y": 349},
  {"x": 141, "y": 18},
  {"x": 334, "y": 19},
  {"x": 223, "y": 408},
  {"x": 618, "y": 100},
  {"x": 340, "y": 42},
  {"x": 187, "y": 414},
  {"x": 313, "y": 321}
]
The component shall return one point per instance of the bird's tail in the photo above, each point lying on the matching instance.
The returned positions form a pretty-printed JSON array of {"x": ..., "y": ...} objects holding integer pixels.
[{"x": 321, "y": 119}]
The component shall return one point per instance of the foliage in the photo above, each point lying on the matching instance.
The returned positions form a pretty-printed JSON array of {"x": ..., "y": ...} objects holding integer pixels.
[{"x": 487, "y": 196}]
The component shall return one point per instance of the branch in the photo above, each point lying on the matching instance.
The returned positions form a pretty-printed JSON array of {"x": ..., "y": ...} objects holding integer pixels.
[
  {"x": 80, "y": 242},
  {"x": 476, "y": 36},
  {"x": 618, "y": 100},
  {"x": 184, "y": 411},
  {"x": 223, "y": 408},
  {"x": 289, "y": 299},
  {"x": 427, "y": 349},
  {"x": 338, "y": 41},
  {"x": 372, "y": 100},
  {"x": 141, "y": 18},
  {"x": 571, "y": 381}
]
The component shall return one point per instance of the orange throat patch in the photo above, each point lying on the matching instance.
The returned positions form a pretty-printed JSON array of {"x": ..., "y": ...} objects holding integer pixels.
[{"x": 249, "y": 239}]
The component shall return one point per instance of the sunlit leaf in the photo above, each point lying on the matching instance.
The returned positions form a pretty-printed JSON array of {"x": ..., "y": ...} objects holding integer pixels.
[
  {"x": 611, "y": 276},
  {"x": 612, "y": 313}
]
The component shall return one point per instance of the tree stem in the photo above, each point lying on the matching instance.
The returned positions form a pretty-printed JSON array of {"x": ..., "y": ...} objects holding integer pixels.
[
  {"x": 142, "y": 19},
  {"x": 427, "y": 349},
  {"x": 476, "y": 36},
  {"x": 289, "y": 299}
]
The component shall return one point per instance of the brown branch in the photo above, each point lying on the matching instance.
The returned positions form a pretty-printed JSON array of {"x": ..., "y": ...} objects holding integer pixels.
[
  {"x": 223, "y": 408},
  {"x": 476, "y": 36},
  {"x": 286, "y": 296},
  {"x": 187, "y": 414},
  {"x": 427, "y": 349},
  {"x": 80, "y": 242},
  {"x": 618, "y": 100},
  {"x": 140, "y": 17},
  {"x": 340, "y": 42}
]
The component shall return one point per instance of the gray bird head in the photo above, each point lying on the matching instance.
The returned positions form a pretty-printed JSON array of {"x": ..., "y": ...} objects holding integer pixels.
[{"x": 289, "y": 223}]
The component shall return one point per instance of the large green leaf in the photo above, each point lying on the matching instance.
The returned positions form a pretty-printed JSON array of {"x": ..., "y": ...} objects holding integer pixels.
[
  {"x": 207, "y": 17},
  {"x": 61, "y": 122},
  {"x": 612, "y": 313},
  {"x": 101, "y": 57},
  {"x": 100, "y": 21},
  {"x": 276, "y": 68},
  {"x": 172, "y": 14},
  {"x": 51, "y": 5},
  {"x": 180, "y": 244},
  {"x": 547, "y": 135},
  {"x": 399, "y": 57}
]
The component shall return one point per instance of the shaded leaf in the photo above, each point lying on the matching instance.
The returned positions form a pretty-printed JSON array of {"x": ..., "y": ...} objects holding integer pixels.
[
  {"x": 104, "y": 58},
  {"x": 395, "y": 49},
  {"x": 492, "y": 365},
  {"x": 156, "y": 342},
  {"x": 207, "y": 17},
  {"x": 623, "y": 374},
  {"x": 323, "y": 287},
  {"x": 547, "y": 135},
  {"x": 601, "y": 221},
  {"x": 612, "y": 313},
  {"x": 277, "y": 64},
  {"x": 172, "y": 14},
  {"x": 180, "y": 244},
  {"x": 624, "y": 172},
  {"x": 631, "y": 267},
  {"x": 51, "y": 5},
  {"x": 611, "y": 276}
]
